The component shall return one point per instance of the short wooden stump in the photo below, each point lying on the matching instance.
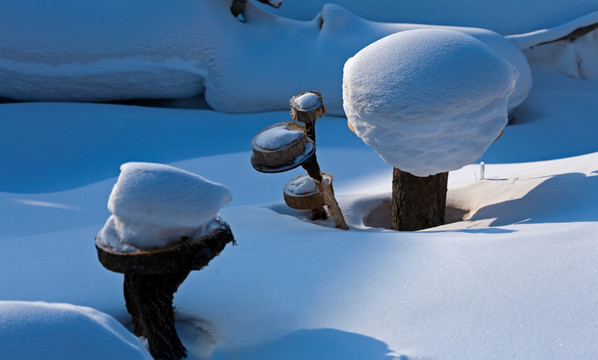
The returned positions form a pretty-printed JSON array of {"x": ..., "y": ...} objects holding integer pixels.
[{"x": 151, "y": 279}]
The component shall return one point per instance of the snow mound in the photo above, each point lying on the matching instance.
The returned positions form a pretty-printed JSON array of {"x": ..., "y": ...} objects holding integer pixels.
[
  {"x": 39, "y": 330},
  {"x": 428, "y": 100},
  {"x": 154, "y": 205}
]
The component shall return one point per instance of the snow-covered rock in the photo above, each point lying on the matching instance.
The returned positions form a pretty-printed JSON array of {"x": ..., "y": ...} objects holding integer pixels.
[
  {"x": 39, "y": 330},
  {"x": 154, "y": 205},
  {"x": 428, "y": 100}
]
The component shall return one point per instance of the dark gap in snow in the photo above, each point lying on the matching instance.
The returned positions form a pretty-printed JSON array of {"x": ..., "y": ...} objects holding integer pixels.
[
  {"x": 8, "y": 101},
  {"x": 193, "y": 103}
]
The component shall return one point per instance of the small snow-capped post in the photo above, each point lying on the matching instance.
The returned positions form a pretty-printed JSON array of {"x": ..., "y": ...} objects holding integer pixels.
[
  {"x": 285, "y": 146},
  {"x": 306, "y": 108},
  {"x": 482, "y": 171},
  {"x": 164, "y": 224},
  {"x": 428, "y": 101}
]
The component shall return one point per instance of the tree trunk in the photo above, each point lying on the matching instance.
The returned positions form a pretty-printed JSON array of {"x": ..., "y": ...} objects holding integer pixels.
[
  {"x": 149, "y": 301},
  {"x": 238, "y": 7},
  {"x": 418, "y": 202}
]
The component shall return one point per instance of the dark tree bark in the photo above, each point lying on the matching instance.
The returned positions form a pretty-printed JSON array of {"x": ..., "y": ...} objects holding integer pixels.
[
  {"x": 238, "y": 7},
  {"x": 149, "y": 301},
  {"x": 326, "y": 191},
  {"x": 418, "y": 202}
]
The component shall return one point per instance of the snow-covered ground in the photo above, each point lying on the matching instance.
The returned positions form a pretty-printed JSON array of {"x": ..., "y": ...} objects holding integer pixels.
[
  {"x": 515, "y": 280},
  {"x": 513, "y": 276}
]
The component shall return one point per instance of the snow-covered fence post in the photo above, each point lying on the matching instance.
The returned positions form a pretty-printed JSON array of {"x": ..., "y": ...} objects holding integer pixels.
[
  {"x": 285, "y": 146},
  {"x": 164, "y": 225},
  {"x": 428, "y": 101}
]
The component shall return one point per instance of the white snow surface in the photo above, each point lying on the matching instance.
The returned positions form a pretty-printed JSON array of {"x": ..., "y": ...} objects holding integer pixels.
[
  {"x": 517, "y": 280},
  {"x": 304, "y": 185},
  {"x": 38, "y": 330},
  {"x": 428, "y": 100},
  {"x": 278, "y": 137},
  {"x": 514, "y": 277},
  {"x": 154, "y": 205}
]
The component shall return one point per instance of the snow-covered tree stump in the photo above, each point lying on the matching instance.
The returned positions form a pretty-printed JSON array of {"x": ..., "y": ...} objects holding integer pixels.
[
  {"x": 428, "y": 101},
  {"x": 306, "y": 108},
  {"x": 301, "y": 193},
  {"x": 152, "y": 277},
  {"x": 164, "y": 224}
]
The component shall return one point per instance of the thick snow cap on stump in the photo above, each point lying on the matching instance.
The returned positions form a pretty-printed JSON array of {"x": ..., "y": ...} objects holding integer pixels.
[
  {"x": 154, "y": 205},
  {"x": 428, "y": 100}
]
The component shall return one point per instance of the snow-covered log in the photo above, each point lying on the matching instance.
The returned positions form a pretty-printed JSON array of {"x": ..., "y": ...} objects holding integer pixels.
[{"x": 111, "y": 50}]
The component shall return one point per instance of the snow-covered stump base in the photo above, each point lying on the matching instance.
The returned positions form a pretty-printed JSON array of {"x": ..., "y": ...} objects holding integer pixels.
[
  {"x": 151, "y": 279},
  {"x": 418, "y": 202},
  {"x": 326, "y": 191}
]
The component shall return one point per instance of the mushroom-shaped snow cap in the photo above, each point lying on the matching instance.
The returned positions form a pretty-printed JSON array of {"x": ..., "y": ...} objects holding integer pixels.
[
  {"x": 427, "y": 100},
  {"x": 165, "y": 196}
]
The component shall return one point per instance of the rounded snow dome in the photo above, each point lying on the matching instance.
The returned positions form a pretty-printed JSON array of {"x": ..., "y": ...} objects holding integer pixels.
[
  {"x": 165, "y": 196},
  {"x": 428, "y": 100}
]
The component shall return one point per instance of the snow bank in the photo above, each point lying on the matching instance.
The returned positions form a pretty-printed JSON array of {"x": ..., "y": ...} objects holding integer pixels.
[
  {"x": 504, "y": 17},
  {"x": 39, "y": 330},
  {"x": 182, "y": 49},
  {"x": 429, "y": 100},
  {"x": 549, "y": 49},
  {"x": 154, "y": 205}
]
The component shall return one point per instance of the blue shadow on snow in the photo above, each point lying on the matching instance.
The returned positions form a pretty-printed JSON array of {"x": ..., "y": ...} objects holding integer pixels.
[{"x": 317, "y": 344}]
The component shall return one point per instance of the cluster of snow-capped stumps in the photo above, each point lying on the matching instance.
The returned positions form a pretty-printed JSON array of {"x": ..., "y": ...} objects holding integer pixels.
[
  {"x": 287, "y": 145},
  {"x": 428, "y": 101}
]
